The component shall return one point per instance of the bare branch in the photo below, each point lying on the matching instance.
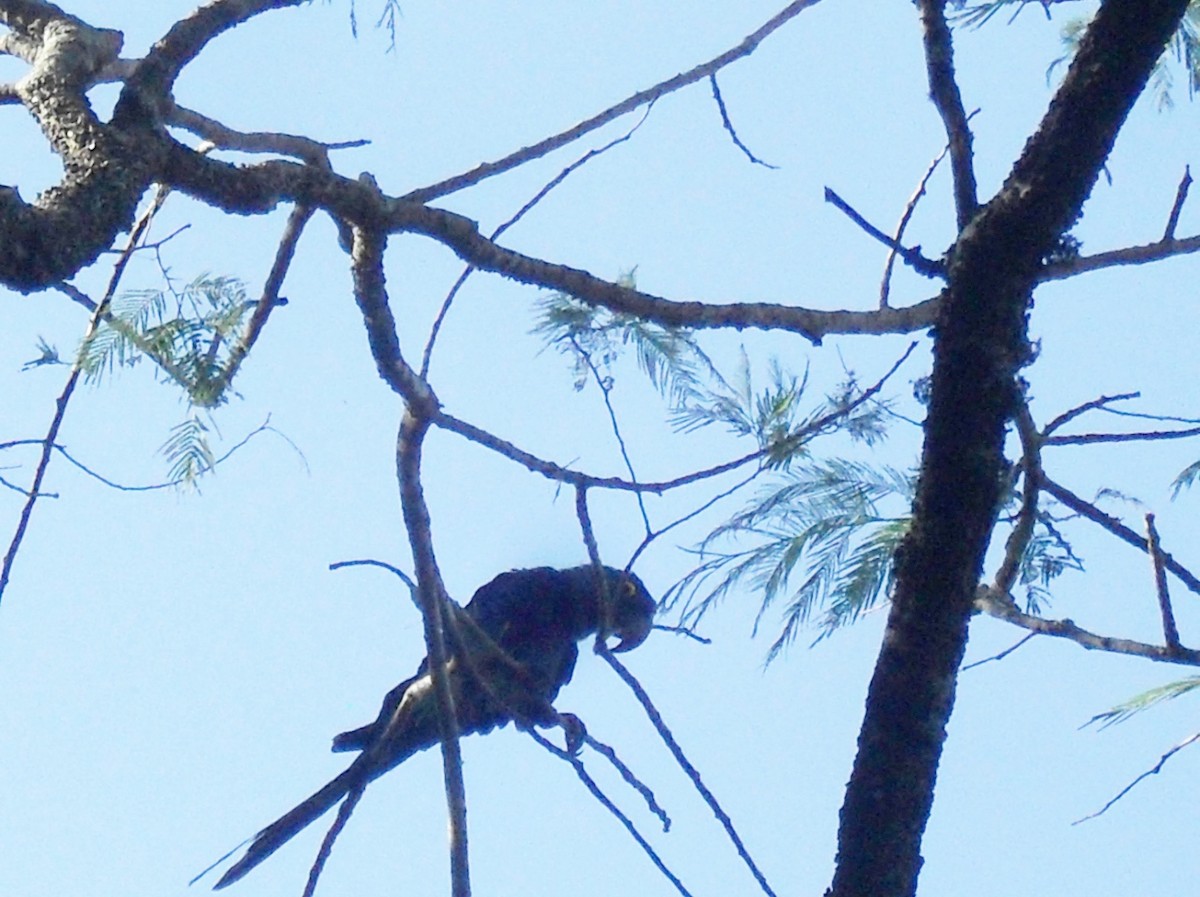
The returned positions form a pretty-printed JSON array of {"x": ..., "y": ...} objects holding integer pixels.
[
  {"x": 1132, "y": 255},
  {"x": 673, "y": 746},
  {"x": 462, "y": 236},
  {"x": 1176, "y": 207},
  {"x": 1170, "y": 630},
  {"x": 1148, "y": 436},
  {"x": 64, "y": 398},
  {"x": 1018, "y": 539},
  {"x": 224, "y": 137},
  {"x": 943, "y": 88},
  {"x": 284, "y": 253},
  {"x": 912, "y": 257},
  {"x": 641, "y": 98},
  {"x": 1003, "y": 608},
  {"x": 905, "y": 217},
  {"x": 737, "y": 141},
  {"x": 1117, "y": 528},
  {"x": 553, "y": 471},
  {"x": 345, "y": 809},
  {"x": 1003, "y": 654},
  {"x": 153, "y": 77},
  {"x": 1157, "y": 768},
  {"x": 371, "y": 295},
  {"x": 521, "y": 212},
  {"x": 1071, "y": 414},
  {"x": 591, "y": 786}
]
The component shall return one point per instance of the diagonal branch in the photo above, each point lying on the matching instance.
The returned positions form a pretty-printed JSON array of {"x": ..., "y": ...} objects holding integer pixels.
[
  {"x": 641, "y": 98},
  {"x": 1003, "y": 608},
  {"x": 677, "y": 752},
  {"x": 1118, "y": 529}
]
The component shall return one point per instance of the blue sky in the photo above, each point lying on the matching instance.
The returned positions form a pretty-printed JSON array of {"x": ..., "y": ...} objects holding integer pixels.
[{"x": 173, "y": 665}]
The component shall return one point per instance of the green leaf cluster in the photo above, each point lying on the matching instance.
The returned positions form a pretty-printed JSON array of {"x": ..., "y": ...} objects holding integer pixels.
[
  {"x": 189, "y": 335},
  {"x": 820, "y": 544}
]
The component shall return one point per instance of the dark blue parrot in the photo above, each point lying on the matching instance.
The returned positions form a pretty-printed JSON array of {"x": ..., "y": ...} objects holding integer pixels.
[{"x": 535, "y": 617}]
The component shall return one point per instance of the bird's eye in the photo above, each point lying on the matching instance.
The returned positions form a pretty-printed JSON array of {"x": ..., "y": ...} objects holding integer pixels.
[{"x": 628, "y": 588}]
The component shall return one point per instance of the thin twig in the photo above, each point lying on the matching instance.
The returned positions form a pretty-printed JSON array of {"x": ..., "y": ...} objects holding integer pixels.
[
  {"x": 606, "y": 392},
  {"x": 1071, "y": 414},
  {"x": 695, "y": 512},
  {"x": 1176, "y": 207},
  {"x": 561, "y": 474},
  {"x": 918, "y": 262},
  {"x": 591, "y": 786},
  {"x": 64, "y": 398},
  {"x": 885, "y": 286},
  {"x": 1170, "y": 630},
  {"x": 371, "y": 562},
  {"x": 1003, "y": 654},
  {"x": 520, "y": 213},
  {"x": 353, "y": 796},
  {"x": 669, "y": 740},
  {"x": 632, "y": 780},
  {"x": 1117, "y": 528},
  {"x": 1022, "y": 532},
  {"x": 1157, "y": 768},
  {"x": 1093, "y": 438},
  {"x": 737, "y": 141},
  {"x": 684, "y": 631},
  {"x": 269, "y": 299},
  {"x": 641, "y": 98}
]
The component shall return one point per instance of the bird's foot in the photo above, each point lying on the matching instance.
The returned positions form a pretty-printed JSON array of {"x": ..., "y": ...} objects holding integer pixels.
[{"x": 574, "y": 731}]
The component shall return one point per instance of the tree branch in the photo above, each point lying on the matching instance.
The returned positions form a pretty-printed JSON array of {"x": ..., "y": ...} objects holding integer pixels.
[
  {"x": 641, "y": 98},
  {"x": 1003, "y": 608}
]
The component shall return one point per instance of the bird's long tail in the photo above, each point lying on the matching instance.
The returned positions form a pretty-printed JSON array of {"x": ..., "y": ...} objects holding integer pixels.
[{"x": 292, "y": 823}]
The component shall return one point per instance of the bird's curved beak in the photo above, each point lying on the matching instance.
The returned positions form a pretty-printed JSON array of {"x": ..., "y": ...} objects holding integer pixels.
[{"x": 633, "y": 634}]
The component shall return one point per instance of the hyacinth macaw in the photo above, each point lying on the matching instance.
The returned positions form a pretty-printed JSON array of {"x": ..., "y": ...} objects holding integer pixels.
[{"x": 535, "y": 617}]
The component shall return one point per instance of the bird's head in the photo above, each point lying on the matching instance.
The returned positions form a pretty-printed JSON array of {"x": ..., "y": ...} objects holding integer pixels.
[{"x": 630, "y": 612}]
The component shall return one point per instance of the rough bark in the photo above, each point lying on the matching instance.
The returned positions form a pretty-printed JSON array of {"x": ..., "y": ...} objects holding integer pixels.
[{"x": 980, "y": 346}]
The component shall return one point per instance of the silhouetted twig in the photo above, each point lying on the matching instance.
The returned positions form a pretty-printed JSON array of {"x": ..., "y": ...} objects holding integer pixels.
[
  {"x": 1157, "y": 768},
  {"x": 629, "y": 679}
]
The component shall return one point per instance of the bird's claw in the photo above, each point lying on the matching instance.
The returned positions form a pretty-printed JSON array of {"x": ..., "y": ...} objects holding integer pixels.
[{"x": 574, "y": 731}]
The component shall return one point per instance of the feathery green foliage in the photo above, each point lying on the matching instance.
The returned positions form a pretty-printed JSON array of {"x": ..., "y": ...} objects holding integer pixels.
[
  {"x": 820, "y": 542},
  {"x": 1145, "y": 701},
  {"x": 698, "y": 395},
  {"x": 1187, "y": 477},
  {"x": 819, "y": 523},
  {"x": 187, "y": 452},
  {"x": 188, "y": 335}
]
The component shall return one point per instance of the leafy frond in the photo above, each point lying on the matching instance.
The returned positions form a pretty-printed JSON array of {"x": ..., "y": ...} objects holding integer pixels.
[
  {"x": 1145, "y": 701},
  {"x": 820, "y": 544},
  {"x": 1046, "y": 557},
  {"x": 187, "y": 335},
  {"x": 188, "y": 453},
  {"x": 47, "y": 354},
  {"x": 1186, "y": 478}
]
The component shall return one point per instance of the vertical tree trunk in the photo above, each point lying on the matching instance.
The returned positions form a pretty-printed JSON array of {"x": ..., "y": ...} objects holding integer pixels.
[{"x": 980, "y": 346}]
